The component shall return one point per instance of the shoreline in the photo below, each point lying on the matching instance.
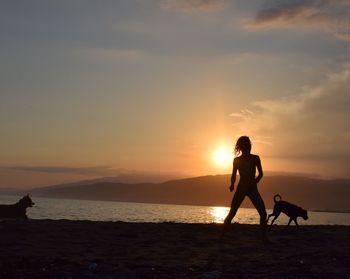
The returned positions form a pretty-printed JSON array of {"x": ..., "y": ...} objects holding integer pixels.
[
  {"x": 33, "y": 195},
  {"x": 45, "y": 248}
]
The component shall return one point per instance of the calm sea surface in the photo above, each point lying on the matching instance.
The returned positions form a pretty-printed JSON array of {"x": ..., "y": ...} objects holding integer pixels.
[{"x": 46, "y": 208}]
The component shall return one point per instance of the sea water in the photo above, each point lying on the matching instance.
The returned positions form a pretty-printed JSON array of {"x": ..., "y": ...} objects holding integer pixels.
[{"x": 50, "y": 208}]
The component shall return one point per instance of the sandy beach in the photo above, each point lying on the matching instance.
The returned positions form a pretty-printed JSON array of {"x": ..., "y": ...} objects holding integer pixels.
[{"x": 86, "y": 249}]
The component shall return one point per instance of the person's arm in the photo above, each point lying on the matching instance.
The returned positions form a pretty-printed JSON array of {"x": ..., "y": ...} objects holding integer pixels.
[
  {"x": 260, "y": 171},
  {"x": 233, "y": 176}
]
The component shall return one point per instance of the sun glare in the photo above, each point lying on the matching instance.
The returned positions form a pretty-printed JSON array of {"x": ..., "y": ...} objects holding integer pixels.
[
  {"x": 218, "y": 213},
  {"x": 223, "y": 156}
]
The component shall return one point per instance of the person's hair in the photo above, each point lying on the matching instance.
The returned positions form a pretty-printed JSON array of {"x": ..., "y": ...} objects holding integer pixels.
[{"x": 243, "y": 145}]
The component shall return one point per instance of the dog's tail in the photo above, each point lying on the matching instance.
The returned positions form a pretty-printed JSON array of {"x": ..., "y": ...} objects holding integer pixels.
[{"x": 277, "y": 198}]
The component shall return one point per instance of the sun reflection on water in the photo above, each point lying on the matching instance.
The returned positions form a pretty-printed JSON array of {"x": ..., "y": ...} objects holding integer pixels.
[{"x": 218, "y": 213}]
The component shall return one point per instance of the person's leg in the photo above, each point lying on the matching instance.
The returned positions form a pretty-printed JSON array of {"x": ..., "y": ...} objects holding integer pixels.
[
  {"x": 236, "y": 202},
  {"x": 260, "y": 206}
]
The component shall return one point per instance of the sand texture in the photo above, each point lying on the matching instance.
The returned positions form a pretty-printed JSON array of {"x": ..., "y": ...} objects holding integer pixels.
[{"x": 85, "y": 249}]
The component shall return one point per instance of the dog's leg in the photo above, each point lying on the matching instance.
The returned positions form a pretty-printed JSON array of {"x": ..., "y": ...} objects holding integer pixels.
[
  {"x": 274, "y": 213},
  {"x": 274, "y": 219},
  {"x": 268, "y": 218},
  {"x": 296, "y": 223},
  {"x": 290, "y": 221}
]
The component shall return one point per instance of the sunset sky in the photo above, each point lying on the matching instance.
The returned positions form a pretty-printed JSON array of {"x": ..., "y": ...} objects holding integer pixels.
[{"x": 95, "y": 88}]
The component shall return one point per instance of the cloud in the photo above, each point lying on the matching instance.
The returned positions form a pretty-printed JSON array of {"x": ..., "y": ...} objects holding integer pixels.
[
  {"x": 314, "y": 124},
  {"x": 242, "y": 114},
  {"x": 93, "y": 171},
  {"x": 192, "y": 6},
  {"x": 331, "y": 16}
]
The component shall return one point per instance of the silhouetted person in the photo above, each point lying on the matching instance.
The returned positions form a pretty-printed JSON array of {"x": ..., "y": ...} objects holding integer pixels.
[{"x": 246, "y": 164}]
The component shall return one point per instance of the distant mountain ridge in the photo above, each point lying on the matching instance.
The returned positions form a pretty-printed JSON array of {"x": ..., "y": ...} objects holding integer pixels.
[
  {"x": 126, "y": 178},
  {"x": 310, "y": 193}
]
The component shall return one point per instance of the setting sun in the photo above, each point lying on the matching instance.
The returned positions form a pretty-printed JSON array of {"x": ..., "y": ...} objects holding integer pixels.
[{"x": 222, "y": 156}]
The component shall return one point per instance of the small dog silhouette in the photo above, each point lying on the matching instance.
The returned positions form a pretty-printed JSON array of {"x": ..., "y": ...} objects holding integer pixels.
[
  {"x": 17, "y": 210},
  {"x": 291, "y": 210}
]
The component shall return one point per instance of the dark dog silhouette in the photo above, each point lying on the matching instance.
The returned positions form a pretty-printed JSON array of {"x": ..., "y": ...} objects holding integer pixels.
[
  {"x": 291, "y": 210},
  {"x": 17, "y": 210}
]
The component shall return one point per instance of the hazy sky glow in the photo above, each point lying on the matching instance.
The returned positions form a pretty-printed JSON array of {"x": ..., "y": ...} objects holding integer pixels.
[{"x": 91, "y": 87}]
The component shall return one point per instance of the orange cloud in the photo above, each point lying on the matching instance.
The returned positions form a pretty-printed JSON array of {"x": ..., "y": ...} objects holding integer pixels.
[
  {"x": 330, "y": 16},
  {"x": 313, "y": 120}
]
